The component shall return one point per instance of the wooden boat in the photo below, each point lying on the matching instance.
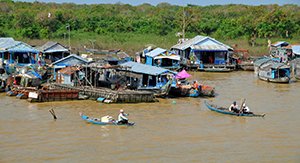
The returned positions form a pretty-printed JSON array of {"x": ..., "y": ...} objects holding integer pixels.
[
  {"x": 247, "y": 67},
  {"x": 226, "y": 111},
  {"x": 186, "y": 90},
  {"x": 272, "y": 71},
  {"x": 97, "y": 121}
]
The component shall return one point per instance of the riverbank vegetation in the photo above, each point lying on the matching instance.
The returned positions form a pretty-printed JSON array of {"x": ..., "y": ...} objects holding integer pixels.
[{"x": 122, "y": 26}]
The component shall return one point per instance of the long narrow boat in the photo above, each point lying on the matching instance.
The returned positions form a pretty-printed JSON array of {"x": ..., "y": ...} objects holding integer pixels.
[
  {"x": 226, "y": 111},
  {"x": 97, "y": 121}
]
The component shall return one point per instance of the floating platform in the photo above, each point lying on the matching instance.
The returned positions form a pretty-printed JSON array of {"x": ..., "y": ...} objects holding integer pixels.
[
  {"x": 53, "y": 95},
  {"x": 120, "y": 96}
]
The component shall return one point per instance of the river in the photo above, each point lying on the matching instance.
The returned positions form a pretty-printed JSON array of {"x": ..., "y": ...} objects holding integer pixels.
[{"x": 172, "y": 130}]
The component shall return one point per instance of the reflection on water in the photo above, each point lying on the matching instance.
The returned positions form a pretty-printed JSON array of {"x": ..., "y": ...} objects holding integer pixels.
[{"x": 173, "y": 130}]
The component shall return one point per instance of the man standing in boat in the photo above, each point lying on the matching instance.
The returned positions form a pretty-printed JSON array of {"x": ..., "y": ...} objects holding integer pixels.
[{"x": 122, "y": 118}]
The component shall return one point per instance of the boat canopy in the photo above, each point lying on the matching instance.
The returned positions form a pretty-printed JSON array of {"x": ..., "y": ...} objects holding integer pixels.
[
  {"x": 182, "y": 75},
  {"x": 276, "y": 65},
  {"x": 296, "y": 49}
]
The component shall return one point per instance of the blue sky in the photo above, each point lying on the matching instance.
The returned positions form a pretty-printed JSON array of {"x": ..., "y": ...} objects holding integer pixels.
[{"x": 176, "y": 2}]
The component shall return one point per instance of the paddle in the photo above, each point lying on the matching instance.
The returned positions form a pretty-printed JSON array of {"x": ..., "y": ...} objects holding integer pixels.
[{"x": 241, "y": 107}]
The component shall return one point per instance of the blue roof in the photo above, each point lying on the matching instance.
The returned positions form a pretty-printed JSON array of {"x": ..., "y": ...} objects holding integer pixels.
[
  {"x": 296, "y": 49},
  {"x": 145, "y": 69},
  {"x": 155, "y": 52},
  {"x": 6, "y": 42},
  {"x": 71, "y": 60},
  {"x": 22, "y": 47},
  {"x": 10, "y": 45}
]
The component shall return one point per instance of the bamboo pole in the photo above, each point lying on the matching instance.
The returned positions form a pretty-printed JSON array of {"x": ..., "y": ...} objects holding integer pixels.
[{"x": 53, "y": 113}]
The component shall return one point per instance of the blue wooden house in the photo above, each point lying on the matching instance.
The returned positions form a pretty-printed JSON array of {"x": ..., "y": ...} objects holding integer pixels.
[
  {"x": 17, "y": 52},
  {"x": 162, "y": 58},
  {"x": 71, "y": 60},
  {"x": 146, "y": 77},
  {"x": 202, "y": 51}
]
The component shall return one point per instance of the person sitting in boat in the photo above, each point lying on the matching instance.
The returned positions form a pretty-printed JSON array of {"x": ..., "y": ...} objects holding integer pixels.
[
  {"x": 195, "y": 85},
  {"x": 122, "y": 118},
  {"x": 178, "y": 84},
  {"x": 246, "y": 109},
  {"x": 234, "y": 107}
]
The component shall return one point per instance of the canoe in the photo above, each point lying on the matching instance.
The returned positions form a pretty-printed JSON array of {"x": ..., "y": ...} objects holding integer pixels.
[
  {"x": 97, "y": 121},
  {"x": 226, "y": 111}
]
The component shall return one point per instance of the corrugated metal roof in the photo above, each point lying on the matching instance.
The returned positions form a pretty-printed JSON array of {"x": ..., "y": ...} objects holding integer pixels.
[
  {"x": 70, "y": 56},
  {"x": 188, "y": 43},
  {"x": 122, "y": 55},
  {"x": 51, "y": 47},
  {"x": 296, "y": 49},
  {"x": 9, "y": 44},
  {"x": 280, "y": 43},
  {"x": 68, "y": 70},
  {"x": 210, "y": 47},
  {"x": 22, "y": 47},
  {"x": 144, "y": 69},
  {"x": 155, "y": 52},
  {"x": 199, "y": 41},
  {"x": 276, "y": 65},
  {"x": 271, "y": 63},
  {"x": 259, "y": 62}
]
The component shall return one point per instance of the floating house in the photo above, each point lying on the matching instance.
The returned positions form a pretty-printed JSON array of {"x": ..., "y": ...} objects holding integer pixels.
[
  {"x": 272, "y": 71},
  {"x": 162, "y": 58},
  {"x": 146, "y": 77},
  {"x": 70, "y": 60},
  {"x": 204, "y": 52},
  {"x": 17, "y": 52},
  {"x": 53, "y": 51},
  {"x": 284, "y": 52}
]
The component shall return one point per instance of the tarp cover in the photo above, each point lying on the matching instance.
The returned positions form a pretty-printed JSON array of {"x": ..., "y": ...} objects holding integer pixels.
[{"x": 182, "y": 75}]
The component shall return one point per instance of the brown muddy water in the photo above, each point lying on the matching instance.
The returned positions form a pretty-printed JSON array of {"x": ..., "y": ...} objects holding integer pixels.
[{"x": 173, "y": 130}]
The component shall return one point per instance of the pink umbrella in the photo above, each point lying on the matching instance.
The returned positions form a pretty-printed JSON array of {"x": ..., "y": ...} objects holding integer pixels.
[{"x": 182, "y": 75}]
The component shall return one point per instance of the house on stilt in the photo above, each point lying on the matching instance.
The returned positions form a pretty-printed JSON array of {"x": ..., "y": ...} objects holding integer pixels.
[
  {"x": 203, "y": 52},
  {"x": 53, "y": 51}
]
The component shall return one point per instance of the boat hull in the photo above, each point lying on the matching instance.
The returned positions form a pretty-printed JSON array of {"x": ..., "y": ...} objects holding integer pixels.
[
  {"x": 226, "y": 111},
  {"x": 277, "y": 80}
]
